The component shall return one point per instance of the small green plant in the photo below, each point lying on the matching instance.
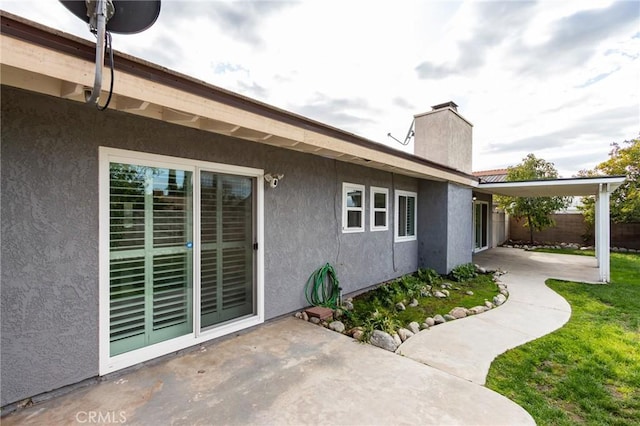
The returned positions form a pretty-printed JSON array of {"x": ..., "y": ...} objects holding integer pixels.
[
  {"x": 464, "y": 272},
  {"x": 429, "y": 276},
  {"x": 382, "y": 321}
]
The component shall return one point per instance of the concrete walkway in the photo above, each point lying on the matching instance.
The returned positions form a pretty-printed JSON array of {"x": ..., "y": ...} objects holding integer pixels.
[{"x": 466, "y": 347}]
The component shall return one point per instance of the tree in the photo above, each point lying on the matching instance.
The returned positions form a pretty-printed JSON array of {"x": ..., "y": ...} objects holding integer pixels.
[
  {"x": 625, "y": 201},
  {"x": 536, "y": 211}
]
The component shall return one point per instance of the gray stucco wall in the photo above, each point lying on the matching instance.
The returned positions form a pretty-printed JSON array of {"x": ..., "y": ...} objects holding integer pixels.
[
  {"x": 459, "y": 224},
  {"x": 432, "y": 235},
  {"x": 49, "y": 246},
  {"x": 444, "y": 227}
]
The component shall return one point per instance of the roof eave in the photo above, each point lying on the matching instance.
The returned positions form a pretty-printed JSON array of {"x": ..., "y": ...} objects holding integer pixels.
[{"x": 553, "y": 187}]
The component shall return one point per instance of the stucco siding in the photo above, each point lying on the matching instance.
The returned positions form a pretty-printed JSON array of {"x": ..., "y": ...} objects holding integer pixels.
[
  {"x": 432, "y": 235},
  {"x": 459, "y": 223},
  {"x": 444, "y": 227},
  {"x": 49, "y": 160}
]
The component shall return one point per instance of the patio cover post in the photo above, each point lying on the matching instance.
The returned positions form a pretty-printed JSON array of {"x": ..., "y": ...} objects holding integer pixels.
[{"x": 603, "y": 231}]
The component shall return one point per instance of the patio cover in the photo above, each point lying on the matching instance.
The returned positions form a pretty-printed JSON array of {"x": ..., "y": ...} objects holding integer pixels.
[{"x": 600, "y": 187}]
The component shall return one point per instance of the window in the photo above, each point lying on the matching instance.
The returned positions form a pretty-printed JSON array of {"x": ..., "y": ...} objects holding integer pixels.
[
  {"x": 379, "y": 206},
  {"x": 406, "y": 212},
  {"x": 352, "y": 207}
]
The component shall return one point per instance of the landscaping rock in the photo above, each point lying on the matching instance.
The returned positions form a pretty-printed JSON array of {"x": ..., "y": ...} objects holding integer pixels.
[
  {"x": 449, "y": 317},
  {"x": 489, "y": 305},
  {"x": 458, "y": 312},
  {"x": 314, "y": 320},
  {"x": 397, "y": 339},
  {"x": 430, "y": 322},
  {"x": 404, "y": 334},
  {"x": 305, "y": 316},
  {"x": 352, "y": 331},
  {"x": 414, "y": 327},
  {"x": 504, "y": 292},
  {"x": 337, "y": 326},
  {"x": 439, "y": 319},
  {"x": 358, "y": 335},
  {"x": 400, "y": 306},
  {"x": 337, "y": 314},
  {"x": 478, "y": 310},
  {"x": 439, "y": 295},
  {"x": 446, "y": 292},
  {"x": 414, "y": 303},
  {"x": 298, "y": 315},
  {"x": 424, "y": 326},
  {"x": 499, "y": 299},
  {"x": 383, "y": 340},
  {"x": 468, "y": 293},
  {"x": 348, "y": 305}
]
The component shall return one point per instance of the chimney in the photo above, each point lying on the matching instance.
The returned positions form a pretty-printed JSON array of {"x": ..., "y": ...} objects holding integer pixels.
[{"x": 443, "y": 136}]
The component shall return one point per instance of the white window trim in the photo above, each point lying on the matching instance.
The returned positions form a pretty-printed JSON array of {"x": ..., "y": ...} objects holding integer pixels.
[
  {"x": 373, "y": 210},
  {"x": 346, "y": 187},
  {"x": 398, "y": 194},
  {"x": 107, "y": 363}
]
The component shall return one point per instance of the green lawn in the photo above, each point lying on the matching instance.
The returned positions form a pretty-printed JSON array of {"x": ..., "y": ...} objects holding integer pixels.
[{"x": 588, "y": 372}]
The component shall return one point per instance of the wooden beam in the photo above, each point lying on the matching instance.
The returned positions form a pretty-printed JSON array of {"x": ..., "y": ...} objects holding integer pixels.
[
  {"x": 216, "y": 126},
  {"x": 71, "y": 90},
  {"x": 179, "y": 117},
  {"x": 127, "y": 104}
]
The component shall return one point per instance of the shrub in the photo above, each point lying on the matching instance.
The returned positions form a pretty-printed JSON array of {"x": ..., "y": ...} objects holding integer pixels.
[
  {"x": 429, "y": 276},
  {"x": 382, "y": 321},
  {"x": 464, "y": 272}
]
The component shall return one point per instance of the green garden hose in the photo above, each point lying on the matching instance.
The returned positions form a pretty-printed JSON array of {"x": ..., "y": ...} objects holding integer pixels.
[{"x": 322, "y": 288}]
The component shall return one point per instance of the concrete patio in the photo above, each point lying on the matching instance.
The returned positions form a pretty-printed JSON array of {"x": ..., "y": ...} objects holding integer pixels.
[
  {"x": 291, "y": 372},
  {"x": 283, "y": 373}
]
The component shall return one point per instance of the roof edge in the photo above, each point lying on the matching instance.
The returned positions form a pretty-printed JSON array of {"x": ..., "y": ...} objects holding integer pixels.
[{"x": 559, "y": 181}]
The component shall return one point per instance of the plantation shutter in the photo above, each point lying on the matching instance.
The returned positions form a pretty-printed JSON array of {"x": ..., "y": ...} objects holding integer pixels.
[
  {"x": 227, "y": 247},
  {"x": 151, "y": 259},
  {"x": 406, "y": 216},
  {"x": 411, "y": 223}
]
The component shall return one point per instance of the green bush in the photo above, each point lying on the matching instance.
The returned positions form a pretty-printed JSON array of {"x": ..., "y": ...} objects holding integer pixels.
[
  {"x": 383, "y": 321},
  {"x": 429, "y": 276},
  {"x": 464, "y": 272}
]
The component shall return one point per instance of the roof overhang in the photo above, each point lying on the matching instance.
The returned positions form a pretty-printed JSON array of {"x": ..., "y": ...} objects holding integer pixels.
[
  {"x": 43, "y": 60},
  {"x": 552, "y": 187}
]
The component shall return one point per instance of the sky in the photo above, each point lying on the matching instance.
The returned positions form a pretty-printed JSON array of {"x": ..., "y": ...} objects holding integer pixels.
[{"x": 559, "y": 79}]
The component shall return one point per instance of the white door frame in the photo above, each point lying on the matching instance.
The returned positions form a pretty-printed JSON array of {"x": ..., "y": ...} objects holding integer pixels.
[
  {"x": 486, "y": 225},
  {"x": 107, "y": 363}
]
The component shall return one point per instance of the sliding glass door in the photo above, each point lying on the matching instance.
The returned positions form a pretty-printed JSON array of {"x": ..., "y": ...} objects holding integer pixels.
[
  {"x": 181, "y": 251},
  {"x": 227, "y": 235},
  {"x": 480, "y": 225}
]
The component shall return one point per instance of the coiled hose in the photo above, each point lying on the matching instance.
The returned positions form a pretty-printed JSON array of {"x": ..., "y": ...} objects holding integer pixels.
[{"x": 323, "y": 288}]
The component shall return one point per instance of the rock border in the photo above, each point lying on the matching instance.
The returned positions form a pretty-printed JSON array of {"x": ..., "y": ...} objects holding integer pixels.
[
  {"x": 390, "y": 342},
  {"x": 559, "y": 246}
]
